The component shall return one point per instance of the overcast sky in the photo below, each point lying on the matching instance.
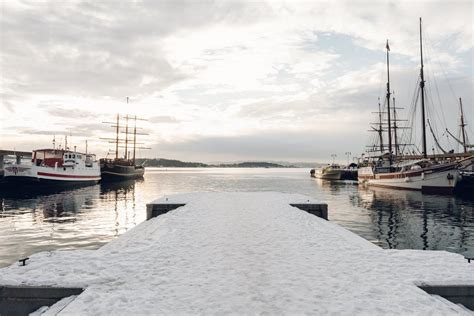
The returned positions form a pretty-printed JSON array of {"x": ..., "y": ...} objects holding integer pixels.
[{"x": 227, "y": 80}]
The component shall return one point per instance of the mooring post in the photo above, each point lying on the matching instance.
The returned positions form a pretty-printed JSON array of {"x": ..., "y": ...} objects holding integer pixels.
[
  {"x": 156, "y": 209},
  {"x": 318, "y": 209},
  {"x": 468, "y": 255},
  {"x": 23, "y": 261}
]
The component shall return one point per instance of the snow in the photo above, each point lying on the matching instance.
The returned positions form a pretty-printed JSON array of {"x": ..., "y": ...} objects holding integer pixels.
[{"x": 244, "y": 253}]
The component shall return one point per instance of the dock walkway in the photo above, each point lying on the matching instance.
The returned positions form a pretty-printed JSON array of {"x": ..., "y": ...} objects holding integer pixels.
[{"x": 245, "y": 253}]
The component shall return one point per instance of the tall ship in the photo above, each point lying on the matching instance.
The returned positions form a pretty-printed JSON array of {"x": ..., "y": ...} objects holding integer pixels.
[
  {"x": 125, "y": 167},
  {"x": 394, "y": 169},
  {"x": 55, "y": 167}
]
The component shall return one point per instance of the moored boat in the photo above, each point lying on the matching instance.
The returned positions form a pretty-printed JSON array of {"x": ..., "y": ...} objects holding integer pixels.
[
  {"x": 331, "y": 172},
  {"x": 55, "y": 167},
  {"x": 424, "y": 175},
  {"x": 123, "y": 168}
]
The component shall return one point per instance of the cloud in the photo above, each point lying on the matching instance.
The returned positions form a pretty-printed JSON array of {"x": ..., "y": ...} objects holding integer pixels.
[
  {"x": 81, "y": 130},
  {"x": 163, "y": 119},
  {"x": 308, "y": 145},
  {"x": 211, "y": 69},
  {"x": 69, "y": 113}
]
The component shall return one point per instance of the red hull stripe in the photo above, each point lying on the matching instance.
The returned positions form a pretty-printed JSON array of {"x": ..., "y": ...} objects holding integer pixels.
[
  {"x": 401, "y": 175},
  {"x": 67, "y": 176}
]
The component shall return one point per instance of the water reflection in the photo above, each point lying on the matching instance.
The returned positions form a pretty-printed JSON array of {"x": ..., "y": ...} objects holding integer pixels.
[
  {"x": 122, "y": 195},
  {"x": 63, "y": 208},
  {"x": 84, "y": 218},
  {"x": 409, "y": 219},
  {"x": 335, "y": 186}
]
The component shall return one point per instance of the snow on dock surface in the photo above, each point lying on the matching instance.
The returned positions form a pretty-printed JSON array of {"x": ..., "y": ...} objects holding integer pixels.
[{"x": 244, "y": 253}]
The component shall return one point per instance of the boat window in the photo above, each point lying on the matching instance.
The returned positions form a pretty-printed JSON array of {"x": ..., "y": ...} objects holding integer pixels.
[
  {"x": 39, "y": 155},
  {"x": 73, "y": 156}
]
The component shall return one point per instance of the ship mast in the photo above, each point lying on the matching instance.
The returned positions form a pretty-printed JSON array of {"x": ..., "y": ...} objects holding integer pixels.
[
  {"x": 395, "y": 127},
  {"x": 388, "y": 105},
  {"x": 126, "y": 133},
  {"x": 117, "y": 138},
  {"x": 422, "y": 86},
  {"x": 380, "y": 129},
  {"x": 134, "y": 138},
  {"x": 462, "y": 127}
]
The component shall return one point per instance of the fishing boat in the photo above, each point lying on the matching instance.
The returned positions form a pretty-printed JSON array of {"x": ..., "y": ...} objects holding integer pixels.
[
  {"x": 123, "y": 168},
  {"x": 392, "y": 170},
  {"x": 330, "y": 172},
  {"x": 54, "y": 167}
]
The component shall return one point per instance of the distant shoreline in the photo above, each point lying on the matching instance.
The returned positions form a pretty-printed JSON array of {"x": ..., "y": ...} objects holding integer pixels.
[{"x": 170, "y": 163}]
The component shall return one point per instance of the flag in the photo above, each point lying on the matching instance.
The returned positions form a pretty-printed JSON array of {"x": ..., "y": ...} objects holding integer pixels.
[{"x": 387, "y": 47}]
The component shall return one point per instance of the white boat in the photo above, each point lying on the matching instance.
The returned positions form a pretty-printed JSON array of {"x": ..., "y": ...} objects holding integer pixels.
[
  {"x": 331, "y": 172},
  {"x": 423, "y": 175},
  {"x": 55, "y": 167}
]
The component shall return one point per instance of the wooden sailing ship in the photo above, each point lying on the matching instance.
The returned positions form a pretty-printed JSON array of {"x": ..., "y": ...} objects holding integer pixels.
[{"x": 124, "y": 167}]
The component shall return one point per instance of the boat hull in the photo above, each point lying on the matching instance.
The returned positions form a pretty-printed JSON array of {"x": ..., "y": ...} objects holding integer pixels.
[
  {"x": 111, "y": 172},
  {"x": 466, "y": 184},
  {"x": 35, "y": 181},
  {"x": 328, "y": 173},
  {"x": 331, "y": 175},
  {"x": 439, "y": 179},
  {"x": 40, "y": 177}
]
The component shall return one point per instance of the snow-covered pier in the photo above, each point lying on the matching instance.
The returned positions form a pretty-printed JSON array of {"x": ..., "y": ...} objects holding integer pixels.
[{"x": 245, "y": 253}]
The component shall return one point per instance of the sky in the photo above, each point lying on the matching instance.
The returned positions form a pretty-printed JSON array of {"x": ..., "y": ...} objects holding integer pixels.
[{"x": 229, "y": 80}]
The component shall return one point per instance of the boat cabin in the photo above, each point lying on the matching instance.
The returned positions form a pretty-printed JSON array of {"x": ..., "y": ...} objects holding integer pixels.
[{"x": 55, "y": 158}]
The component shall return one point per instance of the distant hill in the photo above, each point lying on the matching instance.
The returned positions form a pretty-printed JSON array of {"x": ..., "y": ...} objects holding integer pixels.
[
  {"x": 161, "y": 162},
  {"x": 252, "y": 164},
  {"x": 172, "y": 163}
]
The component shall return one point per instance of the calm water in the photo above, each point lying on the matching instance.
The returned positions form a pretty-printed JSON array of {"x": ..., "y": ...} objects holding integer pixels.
[{"x": 86, "y": 218}]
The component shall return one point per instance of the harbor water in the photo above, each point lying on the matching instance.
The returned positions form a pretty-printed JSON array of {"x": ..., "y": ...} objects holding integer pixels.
[{"x": 88, "y": 217}]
